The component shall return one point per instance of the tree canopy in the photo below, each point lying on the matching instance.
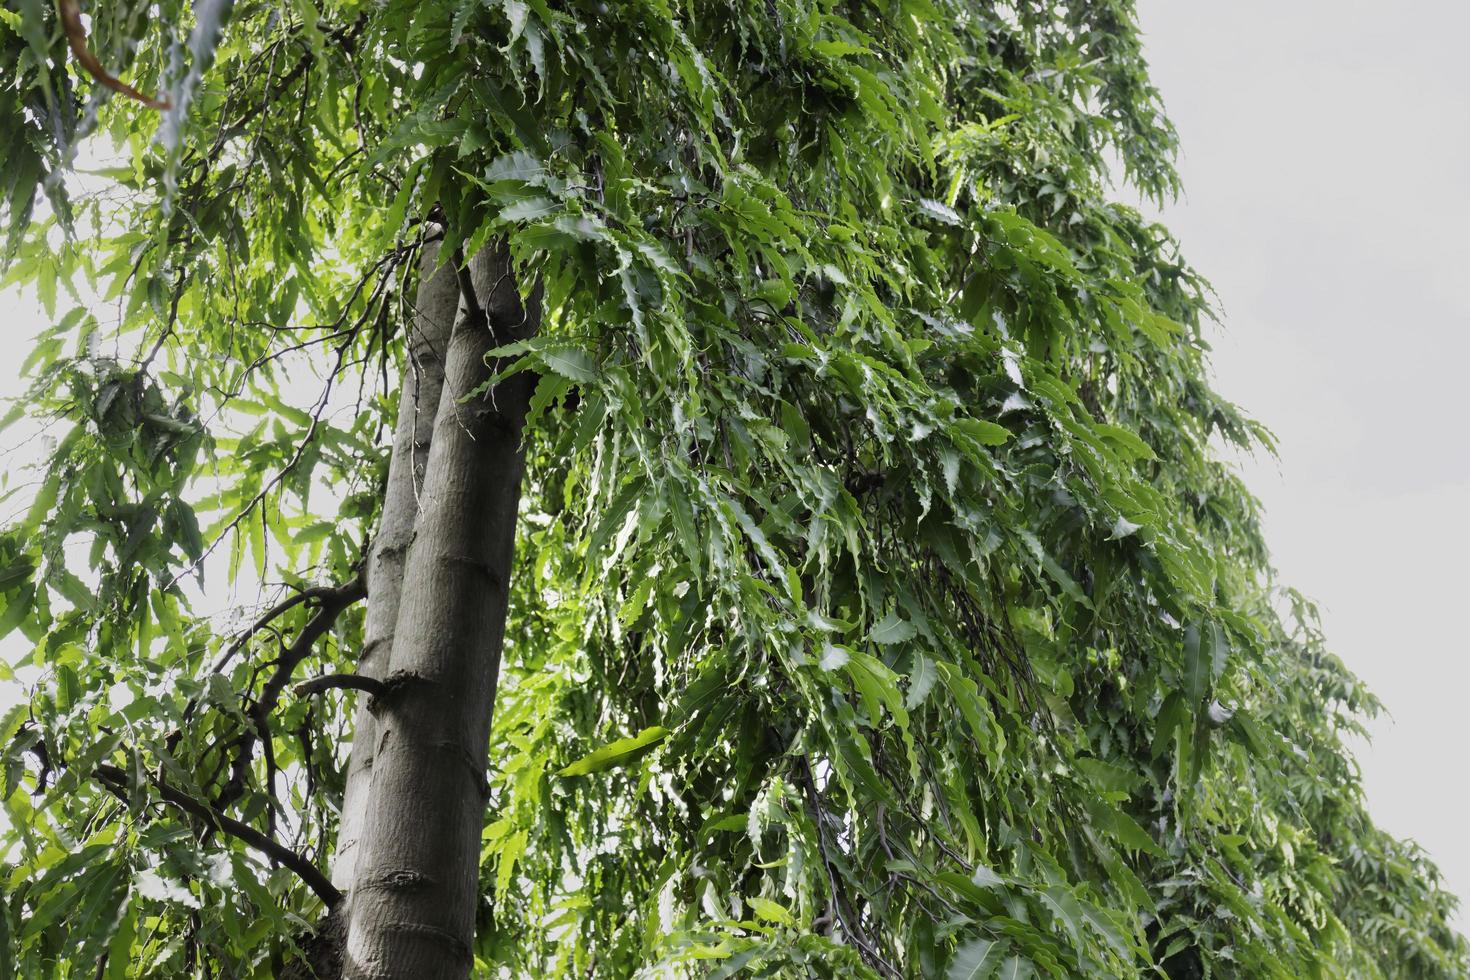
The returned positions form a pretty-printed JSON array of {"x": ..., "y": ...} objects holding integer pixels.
[{"x": 881, "y": 604}]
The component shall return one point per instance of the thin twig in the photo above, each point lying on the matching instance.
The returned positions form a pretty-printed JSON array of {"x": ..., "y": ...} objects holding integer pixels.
[{"x": 864, "y": 947}]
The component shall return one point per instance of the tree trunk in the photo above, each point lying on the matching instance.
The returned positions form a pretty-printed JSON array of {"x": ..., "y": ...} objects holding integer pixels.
[
  {"x": 418, "y": 404},
  {"x": 412, "y": 916}
]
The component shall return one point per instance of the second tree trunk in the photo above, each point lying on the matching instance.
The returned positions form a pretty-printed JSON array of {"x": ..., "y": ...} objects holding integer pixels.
[
  {"x": 414, "y": 895},
  {"x": 418, "y": 404}
]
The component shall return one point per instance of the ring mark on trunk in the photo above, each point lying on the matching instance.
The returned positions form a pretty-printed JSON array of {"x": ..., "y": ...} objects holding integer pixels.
[
  {"x": 473, "y": 765},
  {"x": 453, "y": 941},
  {"x": 398, "y": 880}
]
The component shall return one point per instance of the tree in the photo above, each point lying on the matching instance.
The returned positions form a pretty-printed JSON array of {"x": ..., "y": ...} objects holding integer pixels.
[{"x": 776, "y": 384}]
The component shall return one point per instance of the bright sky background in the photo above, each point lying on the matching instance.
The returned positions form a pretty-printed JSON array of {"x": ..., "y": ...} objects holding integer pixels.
[
  {"x": 1325, "y": 151},
  {"x": 1325, "y": 147}
]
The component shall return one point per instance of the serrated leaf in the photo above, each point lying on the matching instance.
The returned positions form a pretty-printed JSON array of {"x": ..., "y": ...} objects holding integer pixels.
[
  {"x": 985, "y": 433},
  {"x": 833, "y": 657},
  {"x": 150, "y": 884},
  {"x": 940, "y": 211},
  {"x": 1126, "y": 440},
  {"x": 985, "y": 877},
  {"x": 510, "y": 851},
  {"x": 922, "y": 679},
  {"x": 977, "y": 959},
  {"x": 570, "y": 363},
  {"x": 892, "y": 629},
  {"x": 527, "y": 209},
  {"x": 1064, "y": 908},
  {"x": 1122, "y": 828},
  {"x": 1122, "y": 528}
]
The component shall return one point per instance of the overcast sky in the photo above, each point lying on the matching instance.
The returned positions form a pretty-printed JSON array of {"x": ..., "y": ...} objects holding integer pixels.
[{"x": 1325, "y": 154}]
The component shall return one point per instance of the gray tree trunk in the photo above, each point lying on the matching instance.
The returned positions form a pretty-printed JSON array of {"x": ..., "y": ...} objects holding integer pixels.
[
  {"x": 412, "y": 915},
  {"x": 418, "y": 405}
]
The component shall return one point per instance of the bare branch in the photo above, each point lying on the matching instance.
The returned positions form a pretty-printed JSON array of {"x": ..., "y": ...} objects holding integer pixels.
[
  {"x": 76, "y": 37},
  {"x": 356, "y": 682},
  {"x": 333, "y": 602},
  {"x": 473, "y": 310},
  {"x": 117, "y": 781}
]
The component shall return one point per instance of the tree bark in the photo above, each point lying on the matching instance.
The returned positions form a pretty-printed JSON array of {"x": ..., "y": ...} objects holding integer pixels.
[
  {"x": 418, "y": 405},
  {"x": 412, "y": 914}
]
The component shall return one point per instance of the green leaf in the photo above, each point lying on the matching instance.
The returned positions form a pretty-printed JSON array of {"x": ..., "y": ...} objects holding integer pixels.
[
  {"x": 1122, "y": 828},
  {"x": 771, "y": 911},
  {"x": 892, "y": 629},
  {"x": 978, "y": 959},
  {"x": 1108, "y": 775},
  {"x": 1171, "y": 717},
  {"x": 570, "y": 363},
  {"x": 528, "y": 209},
  {"x": 1219, "y": 650},
  {"x": 985, "y": 877},
  {"x": 733, "y": 964},
  {"x": 939, "y": 211},
  {"x": 1054, "y": 570},
  {"x": 617, "y": 753},
  {"x": 16, "y": 572},
  {"x": 1196, "y": 666},
  {"x": 1016, "y": 968},
  {"x": 833, "y": 657},
  {"x": 921, "y": 681},
  {"x": 1127, "y": 441},
  {"x": 985, "y": 433}
]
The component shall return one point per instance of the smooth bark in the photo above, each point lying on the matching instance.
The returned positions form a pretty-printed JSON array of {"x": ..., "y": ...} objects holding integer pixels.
[
  {"x": 418, "y": 404},
  {"x": 412, "y": 913}
]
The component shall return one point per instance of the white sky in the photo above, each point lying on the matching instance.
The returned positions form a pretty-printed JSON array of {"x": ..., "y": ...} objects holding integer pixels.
[{"x": 1325, "y": 149}]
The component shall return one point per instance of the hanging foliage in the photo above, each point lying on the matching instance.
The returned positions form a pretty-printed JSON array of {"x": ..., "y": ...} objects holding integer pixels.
[{"x": 882, "y": 606}]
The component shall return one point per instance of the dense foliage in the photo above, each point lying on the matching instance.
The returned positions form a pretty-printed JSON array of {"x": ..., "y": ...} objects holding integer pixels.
[{"x": 882, "y": 606}]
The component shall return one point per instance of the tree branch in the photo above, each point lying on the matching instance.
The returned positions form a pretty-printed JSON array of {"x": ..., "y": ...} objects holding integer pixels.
[
  {"x": 332, "y": 603},
  {"x": 320, "y": 592},
  {"x": 117, "y": 781},
  {"x": 346, "y": 37},
  {"x": 473, "y": 310},
  {"x": 357, "y": 682},
  {"x": 76, "y": 37},
  {"x": 865, "y": 949}
]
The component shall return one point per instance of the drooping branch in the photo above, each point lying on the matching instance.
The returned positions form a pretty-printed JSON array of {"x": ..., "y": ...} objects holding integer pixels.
[
  {"x": 847, "y": 919},
  {"x": 280, "y": 476},
  {"x": 117, "y": 781},
  {"x": 76, "y": 37},
  {"x": 345, "y": 36}
]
